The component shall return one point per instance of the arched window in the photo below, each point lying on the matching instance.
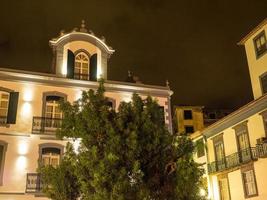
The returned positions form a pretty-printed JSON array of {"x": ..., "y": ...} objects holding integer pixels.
[
  {"x": 81, "y": 70},
  {"x": 50, "y": 154}
]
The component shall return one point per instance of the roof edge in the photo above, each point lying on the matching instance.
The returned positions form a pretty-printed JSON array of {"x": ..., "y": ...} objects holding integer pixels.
[{"x": 259, "y": 26}]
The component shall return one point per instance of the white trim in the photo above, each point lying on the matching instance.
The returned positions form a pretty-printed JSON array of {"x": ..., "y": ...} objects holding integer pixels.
[
  {"x": 57, "y": 40},
  {"x": 237, "y": 116},
  {"x": 51, "y": 79}
]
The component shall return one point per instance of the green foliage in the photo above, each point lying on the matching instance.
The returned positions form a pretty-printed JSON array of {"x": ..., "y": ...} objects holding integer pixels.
[
  {"x": 61, "y": 183},
  {"x": 128, "y": 154}
]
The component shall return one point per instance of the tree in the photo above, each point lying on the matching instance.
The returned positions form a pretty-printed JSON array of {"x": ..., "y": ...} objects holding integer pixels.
[
  {"x": 128, "y": 154},
  {"x": 61, "y": 183}
]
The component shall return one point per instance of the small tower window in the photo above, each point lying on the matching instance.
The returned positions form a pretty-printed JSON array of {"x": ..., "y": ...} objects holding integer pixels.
[{"x": 81, "y": 70}]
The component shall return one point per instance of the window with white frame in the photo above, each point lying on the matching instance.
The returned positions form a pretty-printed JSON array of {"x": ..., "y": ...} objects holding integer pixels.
[
  {"x": 50, "y": 156},
  {"x": 53, "y": 114},
  {"x": 81, "y": 69},
  {"x": 4, "y": 98},
  {"x": 249, "y": 182}
]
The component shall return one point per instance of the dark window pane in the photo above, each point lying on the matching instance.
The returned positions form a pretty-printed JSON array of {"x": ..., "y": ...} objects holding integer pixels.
[
  {"x": 200, "y": 148},
  {"x": 188, "y": 114},
  {"x": 264, "y": 83},
  {"x": 50, "y": 150},
  {"x": 260, "y": 44},
  {"x": 189, "y": 129}
]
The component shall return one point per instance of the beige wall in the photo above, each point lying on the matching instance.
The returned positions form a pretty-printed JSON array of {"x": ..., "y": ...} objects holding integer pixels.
[
  {"x": 256, "y": 66},
  {"x": 31, "y": 100},
  {"x": 23, "y": 147}
]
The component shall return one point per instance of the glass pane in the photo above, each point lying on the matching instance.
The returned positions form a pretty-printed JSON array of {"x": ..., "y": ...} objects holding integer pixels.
[
  {"x": 5, "y": 96},
  {"x": 3, "y": 112},
  {"x": 55, "y": 161},
  {"x": 49, "y": 109},
  {"x": 262, "y": 40},
  {"x": 46, "y": 160},
  {"x": 258, "y": 44},
  {"x": 3, "y": 104}
]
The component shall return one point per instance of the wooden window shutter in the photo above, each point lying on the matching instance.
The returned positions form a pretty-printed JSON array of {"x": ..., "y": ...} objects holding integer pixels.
[
  {"x": 70, "y": 64},
  {"x": 93, "y": 67},
  {"x": 12, "y": 107}
]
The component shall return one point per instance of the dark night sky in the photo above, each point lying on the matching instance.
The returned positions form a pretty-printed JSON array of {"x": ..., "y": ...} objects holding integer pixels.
[{"x": 191, "y": 42}]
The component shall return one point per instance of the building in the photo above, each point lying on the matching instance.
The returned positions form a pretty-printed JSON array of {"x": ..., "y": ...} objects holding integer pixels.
[
  {"x": 236, "y": 145},
  {"x": 211, "y": 116},
  {"x": 29, "y": 107},
  {"x": 256, "y": 48},
  {"x": 189, "y": 119}
]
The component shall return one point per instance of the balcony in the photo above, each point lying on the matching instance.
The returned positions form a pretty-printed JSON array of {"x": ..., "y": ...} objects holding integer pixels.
[
  {"x": 82, "y": 76},
  {"x": 33, "y": 183},
  {"x": 42, "y": 125},
  {"x": 262, "y": 150},
  {"x": 233, "y": 160}
]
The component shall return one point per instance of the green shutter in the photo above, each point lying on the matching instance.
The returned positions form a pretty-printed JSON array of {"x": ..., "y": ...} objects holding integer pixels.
[
  {"x": 70, "y": 64},
  {"x": 12, "y": 107},
  {"x": 93, "y": 67}
]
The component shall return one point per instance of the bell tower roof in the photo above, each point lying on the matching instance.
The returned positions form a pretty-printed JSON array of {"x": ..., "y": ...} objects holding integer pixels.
[{"x": 81, "y": 34}]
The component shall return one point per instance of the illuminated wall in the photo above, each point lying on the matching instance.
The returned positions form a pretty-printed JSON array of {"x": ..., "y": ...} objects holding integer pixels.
[{"x": 257, "y": 66}]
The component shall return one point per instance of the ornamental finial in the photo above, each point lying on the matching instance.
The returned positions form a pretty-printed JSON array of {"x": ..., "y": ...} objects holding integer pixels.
[
  {"x": 167, "y": 83},
  {"x": 83, "y": 29}
]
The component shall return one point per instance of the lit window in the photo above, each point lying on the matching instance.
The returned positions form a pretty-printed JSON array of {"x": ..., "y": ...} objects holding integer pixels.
[
  {"x": 260, "y": 44},
  {"x": 249, "y": 183},
  {"x": 50, "y": 156},
  {"x": 263, "y": 80},
  {"x": 243, "y": 143},
  {"x": 4, "y": 98},
  {"x": 188, "y": 114},
  {"x": 81, "y": 70},
  {"x": 224, "y": 189},
  {"x": 53, "y": 114}
]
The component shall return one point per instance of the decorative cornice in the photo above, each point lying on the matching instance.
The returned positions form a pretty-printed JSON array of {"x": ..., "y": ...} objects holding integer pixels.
[
  {"x": 53, "y": 80},
  {"x": 237, "y": 116}
]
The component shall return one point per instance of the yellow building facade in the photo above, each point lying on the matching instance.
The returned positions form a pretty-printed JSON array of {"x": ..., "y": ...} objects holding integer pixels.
[
  {"x": 189, "y": 119},
  {"x": 236, "y": 145}
]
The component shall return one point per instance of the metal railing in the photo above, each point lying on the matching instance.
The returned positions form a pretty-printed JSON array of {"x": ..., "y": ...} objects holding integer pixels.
[
  {"x": 33, "y": 183},
  {"x": 45, "y": 125},
  {"x": 233, "y": 160},
  {"x": 3, "y": 120},
  {"x": 262, "y": 150},
  {"x": 82, "y": 76}
]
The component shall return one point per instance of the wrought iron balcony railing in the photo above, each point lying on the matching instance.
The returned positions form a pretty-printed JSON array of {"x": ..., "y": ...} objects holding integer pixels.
[
  {"x": 45, "y": 125},
  {"x": 3, "y": 120},
  {"x": 233, "y": 160},
  {"x": 33, "y": 183},
  {"x": 82, "y": 76},
  {"x": 262, "y": 150}
]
